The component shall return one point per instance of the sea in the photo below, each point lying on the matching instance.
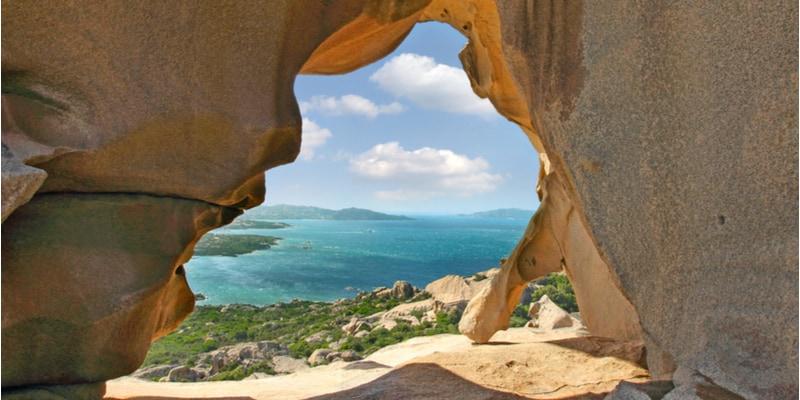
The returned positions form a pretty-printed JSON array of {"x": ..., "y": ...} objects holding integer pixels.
[{"x": 325, "y": 260}]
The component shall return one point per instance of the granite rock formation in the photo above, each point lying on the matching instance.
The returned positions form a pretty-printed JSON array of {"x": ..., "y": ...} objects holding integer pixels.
[{"x": 667, "y": 134}]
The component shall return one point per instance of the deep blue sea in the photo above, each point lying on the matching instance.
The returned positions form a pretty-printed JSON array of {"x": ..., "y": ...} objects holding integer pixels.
[{"x": 327, "y": 260}]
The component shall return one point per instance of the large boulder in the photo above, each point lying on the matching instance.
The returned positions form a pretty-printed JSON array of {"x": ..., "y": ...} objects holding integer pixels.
[
  {"x": 454, "y": 289},
  {"x": 548, "y": 315}
]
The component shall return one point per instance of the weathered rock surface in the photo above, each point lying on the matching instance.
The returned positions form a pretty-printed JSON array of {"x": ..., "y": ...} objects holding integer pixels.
[
  {"x": 182, "y": 374},
  {"x": 673, "y": 130},
  {"x": 403, "y": 290},
  {"x": 319, "y": 356},
  {"x": 548, "y": 315},
  {"x": 149, "y": 373},
  {"x": 355, "y": 325},
  {"x": 640, "y": 391},
  {"x": 555, "y": 239},
  {"x": 288, "y": 365},
  {"x": 440, "y": 367},
  {"x": 110, "y": 261},
  {"x": 455, "y": 290}
]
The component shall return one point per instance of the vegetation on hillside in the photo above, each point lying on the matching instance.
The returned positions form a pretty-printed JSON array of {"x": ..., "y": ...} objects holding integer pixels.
[
  {"x": 558, "y": 289},
  {"x": 304, "y": 326},
  {"x": 211, "y": 327}
]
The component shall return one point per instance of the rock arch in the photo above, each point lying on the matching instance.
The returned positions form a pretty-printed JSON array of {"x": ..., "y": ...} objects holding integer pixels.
[{"x": 154, "y": 122}]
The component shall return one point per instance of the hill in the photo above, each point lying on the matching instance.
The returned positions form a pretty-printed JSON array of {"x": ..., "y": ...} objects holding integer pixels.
[{"x": 285, "y": 211}]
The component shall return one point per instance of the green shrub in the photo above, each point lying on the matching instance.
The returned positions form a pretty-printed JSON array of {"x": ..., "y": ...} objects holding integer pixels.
[
  {"x": 519, "y": 317},
  {"x": 234, "y": 372},
  {"x": 559, "y": 290}
]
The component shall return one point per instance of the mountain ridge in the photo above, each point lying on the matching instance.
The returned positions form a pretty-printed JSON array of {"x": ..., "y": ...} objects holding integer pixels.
[
  {"x": 508, "y": 213},
  {"x": 288, "y": 211}
]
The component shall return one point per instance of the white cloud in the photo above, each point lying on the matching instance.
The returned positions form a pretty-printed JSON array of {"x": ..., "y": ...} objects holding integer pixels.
[
  {"x": 431, "y": 85},
  {"x": 424, "y": 173},
  {"x": 349, "y": 104},
  {"x": 314, "y": 136}
]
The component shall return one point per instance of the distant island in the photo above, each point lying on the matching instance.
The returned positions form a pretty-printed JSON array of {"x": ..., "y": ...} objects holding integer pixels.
[
  {"x": 505, "y": 213},
  {"x": 285, "y": 211},
  {"x": 251, "y": 224},
  {"x": 232, "y": 245}
]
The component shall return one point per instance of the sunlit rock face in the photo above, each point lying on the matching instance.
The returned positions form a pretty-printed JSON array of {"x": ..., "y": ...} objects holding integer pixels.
[
  {"x": 667, "y": 133},
  {"x": 674, "y": 128}
]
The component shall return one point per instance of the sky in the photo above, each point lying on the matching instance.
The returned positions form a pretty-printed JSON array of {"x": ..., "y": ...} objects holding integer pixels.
[{"x": 406, "y": 134}]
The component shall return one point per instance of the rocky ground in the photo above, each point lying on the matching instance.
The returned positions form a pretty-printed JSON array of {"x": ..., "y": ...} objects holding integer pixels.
[
  {"x": 518, "y": 363},
  {"x": 235, "y": 342}
]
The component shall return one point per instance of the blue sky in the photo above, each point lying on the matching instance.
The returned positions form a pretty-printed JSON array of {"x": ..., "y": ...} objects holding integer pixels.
[{"x": 406, "y": 134}]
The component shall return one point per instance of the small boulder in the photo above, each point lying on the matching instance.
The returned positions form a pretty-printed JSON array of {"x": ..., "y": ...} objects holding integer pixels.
[
  {"x": 333, "y": 356},
  {"x": 548, "y": 315},
  {"x": 355, "y": 325},
  {"x": 402, "y": 290},
  {"x": 317, "y": 337},
  {"x": 153, "y": 372},
  {"x": 319, "y": 356},
  {"x": 349, "y": 355},
  {"x": 627, "y": 391},
  {"x": 182, "y": 374},
  {"x": 287, "y": 365}
]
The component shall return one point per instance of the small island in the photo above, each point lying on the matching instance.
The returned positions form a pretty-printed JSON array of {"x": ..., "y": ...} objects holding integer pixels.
[
  {"x": 233, "y": 245},
  {"x": 253, "y": 224}
]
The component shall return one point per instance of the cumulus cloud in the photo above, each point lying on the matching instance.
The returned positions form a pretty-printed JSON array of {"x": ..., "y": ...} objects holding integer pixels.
[
  {"x": 431, "y": 85},
  {"x": 314, "y": 136},
  {"x": 425, "y": 172},
  {"x": 349, "y": 104}
]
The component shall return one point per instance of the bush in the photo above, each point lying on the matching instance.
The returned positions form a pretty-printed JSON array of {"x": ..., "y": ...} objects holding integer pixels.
[
  {"x": 559, "y": 290},
  {"x": 236, "y": 372},
  {"x": 519, "y": 317}
]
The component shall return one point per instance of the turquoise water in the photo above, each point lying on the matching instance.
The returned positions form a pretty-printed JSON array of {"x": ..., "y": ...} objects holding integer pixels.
[{"x": 346, "y": 256}]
